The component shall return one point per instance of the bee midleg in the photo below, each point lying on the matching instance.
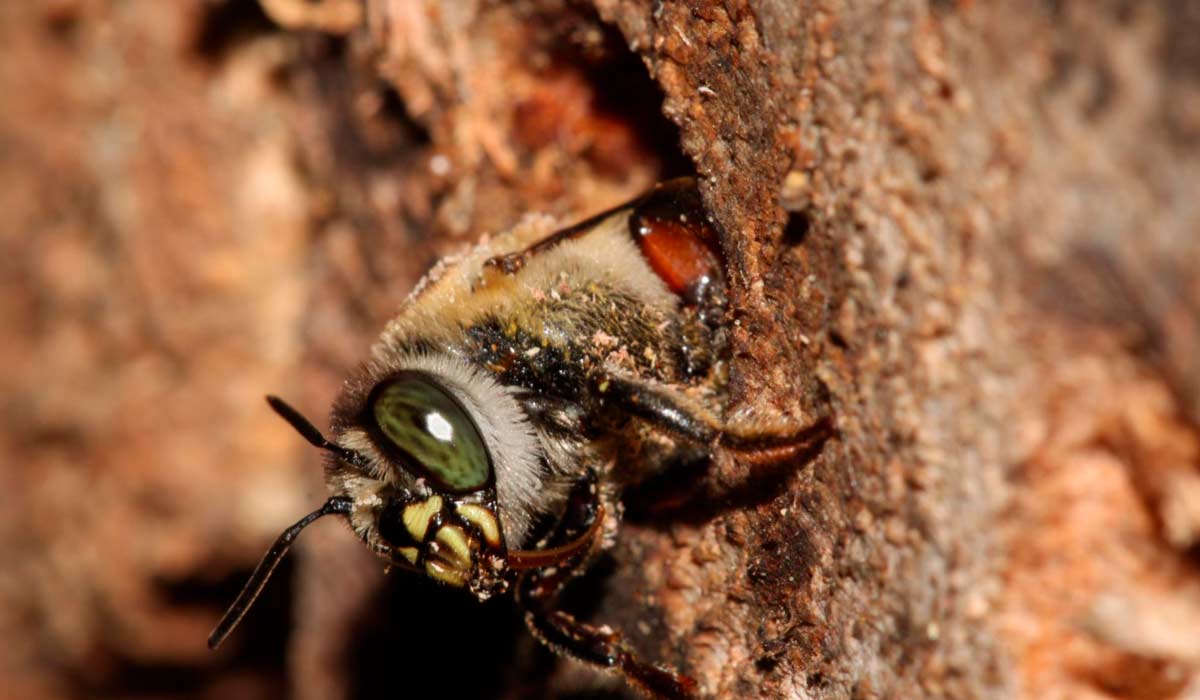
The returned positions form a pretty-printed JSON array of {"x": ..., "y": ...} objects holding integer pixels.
[
  {"x": 678, "y": 414},
  {"x": 538, "y": 593}
]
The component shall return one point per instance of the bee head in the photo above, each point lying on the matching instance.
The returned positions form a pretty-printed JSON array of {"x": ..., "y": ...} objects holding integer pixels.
[
  {"x": 435, "y": 467},
  {"x": 434, "y": 506},
  {"x": 431, "y": 448},
  {"x": 438, "y": 516}
]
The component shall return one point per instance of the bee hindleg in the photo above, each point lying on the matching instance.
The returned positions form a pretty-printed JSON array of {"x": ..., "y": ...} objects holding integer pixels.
[
  {"x": 683, "y": 416},
  {"x": 538, "y": 593}
]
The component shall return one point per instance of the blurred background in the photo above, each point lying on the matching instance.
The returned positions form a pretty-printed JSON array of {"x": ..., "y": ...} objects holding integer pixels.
[{"x": 192, "y": 204}]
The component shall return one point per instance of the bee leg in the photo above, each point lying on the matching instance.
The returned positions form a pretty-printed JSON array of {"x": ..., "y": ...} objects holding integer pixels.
[
  {"x": 596, "y": 645},
  {"x": 538, "y": 592},
  {"x": 683, "y": 416}
]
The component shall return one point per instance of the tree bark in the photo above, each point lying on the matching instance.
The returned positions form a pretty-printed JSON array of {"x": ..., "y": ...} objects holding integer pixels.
[{"x": 967, "y": 231}]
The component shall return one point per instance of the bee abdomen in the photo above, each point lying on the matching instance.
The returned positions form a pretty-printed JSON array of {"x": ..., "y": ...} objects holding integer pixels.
[{"x": 677, "y": 240}]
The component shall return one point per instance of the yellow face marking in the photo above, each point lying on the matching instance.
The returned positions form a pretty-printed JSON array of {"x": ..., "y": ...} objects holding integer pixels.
[
  {"x": 416, "y": 517},
  {"x": 409, "y": 553},
  {"x": 445, "y": 574},
  {"x": 483, "y": 519},
  {"x": 457, "y": 548}
]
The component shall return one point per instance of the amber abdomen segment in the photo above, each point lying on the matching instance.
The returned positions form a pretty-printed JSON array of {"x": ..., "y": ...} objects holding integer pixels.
[{"x": 676, "y": 238}]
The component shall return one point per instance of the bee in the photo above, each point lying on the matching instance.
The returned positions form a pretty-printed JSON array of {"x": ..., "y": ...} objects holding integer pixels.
[{"x": 486, "y": 441}]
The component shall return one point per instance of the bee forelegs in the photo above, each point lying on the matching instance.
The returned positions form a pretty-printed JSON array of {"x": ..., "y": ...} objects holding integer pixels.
[
  {"x": 596, "y": 645},
  {"x": 683, "y": 416},
  {"x": 538, "y": 591}
]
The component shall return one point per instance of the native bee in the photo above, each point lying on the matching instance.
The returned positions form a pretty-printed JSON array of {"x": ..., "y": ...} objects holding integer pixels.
[{"x": 486, "y": 441}]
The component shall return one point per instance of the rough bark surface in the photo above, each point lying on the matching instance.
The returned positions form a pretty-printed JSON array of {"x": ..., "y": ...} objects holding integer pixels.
[{"x": 967, "y": 230}]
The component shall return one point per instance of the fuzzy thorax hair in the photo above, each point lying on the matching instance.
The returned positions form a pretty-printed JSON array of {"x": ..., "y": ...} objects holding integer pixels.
[{"x": 429, "y": 335}]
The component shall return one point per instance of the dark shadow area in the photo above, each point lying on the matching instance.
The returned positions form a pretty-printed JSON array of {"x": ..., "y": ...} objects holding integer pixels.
[
  {"x": 418, "y": 639},
  {"x": 366, "y": 123},
  {"x": 626, "y": 92},
  {"x": 261, "y": 639},
  {"x": 421, "y": 640},
  {"x": 594, "y": 99},
  {"x": 226, "y": 23},
  {"x": 795, "y": 231},
  {"x": 257, "y": 650}
]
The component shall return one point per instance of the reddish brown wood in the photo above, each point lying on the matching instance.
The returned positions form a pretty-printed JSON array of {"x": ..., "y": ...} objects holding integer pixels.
[{"x": 968, "y": 229}]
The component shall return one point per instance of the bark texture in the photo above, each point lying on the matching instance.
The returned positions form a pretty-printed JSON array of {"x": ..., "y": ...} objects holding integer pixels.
[{"x": 967, "y": 230}]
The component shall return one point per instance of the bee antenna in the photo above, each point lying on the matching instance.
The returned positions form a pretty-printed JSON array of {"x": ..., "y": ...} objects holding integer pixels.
[
  {"x": 300, "y": 423},
  {"x": 309, "y": 431},
  {"x": 270, "y": 560}
]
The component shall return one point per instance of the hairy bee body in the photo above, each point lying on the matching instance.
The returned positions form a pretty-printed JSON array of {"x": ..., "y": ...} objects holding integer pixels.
[
  {"x": 521, "y": 387},
  {"x": 544, "y": 335}
]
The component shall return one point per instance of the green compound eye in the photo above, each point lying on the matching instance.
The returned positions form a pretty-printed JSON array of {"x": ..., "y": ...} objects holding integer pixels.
[{"x": 431, "y": 432}]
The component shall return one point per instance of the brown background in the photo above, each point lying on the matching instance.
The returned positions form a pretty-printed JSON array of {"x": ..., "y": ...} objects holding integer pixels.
[{"x": 970, "y": 230}]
